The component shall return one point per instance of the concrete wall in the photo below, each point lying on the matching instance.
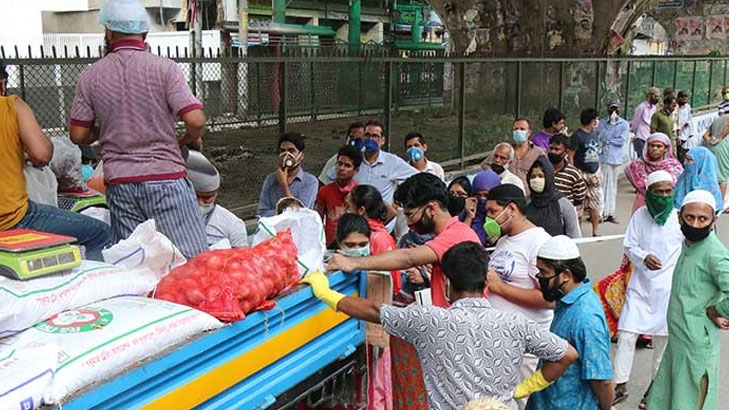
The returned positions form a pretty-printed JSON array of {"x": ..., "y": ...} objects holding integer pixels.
[{"x": 21, "y": 26}]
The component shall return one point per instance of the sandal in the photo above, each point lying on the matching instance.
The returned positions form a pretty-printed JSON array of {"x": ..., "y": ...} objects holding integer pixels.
[
  {"x": 643, "y": 404},
  {"x": 620, "y": 397}
]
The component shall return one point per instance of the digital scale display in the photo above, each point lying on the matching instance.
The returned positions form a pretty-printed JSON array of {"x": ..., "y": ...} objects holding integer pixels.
[{"x": 27, "y": 254}]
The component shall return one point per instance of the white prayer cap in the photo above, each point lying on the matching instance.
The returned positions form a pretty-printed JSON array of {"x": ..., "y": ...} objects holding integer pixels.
[
  {"x": 559, "y": 248},
  {"x": 699, "y": 196},
  {"x": 202, "y": 173},
  {"x": 658, "y": 176}
]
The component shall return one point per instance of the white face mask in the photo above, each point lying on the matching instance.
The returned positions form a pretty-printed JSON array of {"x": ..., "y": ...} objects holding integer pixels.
[
  {"x": 614, "y": 118},
  {"x": 537, "y": 184},
  {"x": 206, "y": 208}
]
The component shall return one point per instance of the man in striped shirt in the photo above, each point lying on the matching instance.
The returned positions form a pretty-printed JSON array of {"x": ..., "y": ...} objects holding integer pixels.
[
  {"x": 567, "y": 178},
  {"x": 135, "y": 98}
]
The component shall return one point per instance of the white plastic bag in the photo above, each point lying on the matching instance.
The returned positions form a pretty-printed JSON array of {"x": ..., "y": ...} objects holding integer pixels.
[
  {"x": 41, "y": 185},
  {"x": 26, "y": 371},
  {"x": 25, "y": 303},
  {"x": 307, "y": 231},
  {"x": 101, "y": 340},
  {"x": 66, "y": 164},
  {"x": 147, "y": 248},
  {"x": 97, "y": 212}
]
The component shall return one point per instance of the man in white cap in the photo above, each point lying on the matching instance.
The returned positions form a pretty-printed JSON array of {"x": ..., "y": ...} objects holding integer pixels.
[
  {"x": 220, "y": 223},
  {"x": 652, "y": 243},
  {"x": 698, "y": 309},
  {"x": 578, "y": 318},
  {"x": 130, "y": 102}
]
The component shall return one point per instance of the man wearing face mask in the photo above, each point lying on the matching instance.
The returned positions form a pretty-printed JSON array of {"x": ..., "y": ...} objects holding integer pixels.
[
  {"x": 614, "y": 134},
  {"x": 641, "y": 124},
  {"x": 567, "y": 178},
  {"x": 578, "y": 318},
  {"x": 512, "y": 274},
  {"x": 653, "y": 244},
  {"x": 424, "y": 199},
  {"x": 698, "y": 309},
  {"x": 289, "y": 179},
  {"x": 415, "y": 148},
  {"x": 380, "y": 169},
  {"x": 585, "y": 152},
  {"x": 220, "y": 223},
  {"x": 130, "y": 101},
  {"x": 525, "y": 152},
  {"x": 500, "y": 159},
  {"x": 685, "y": 133}
]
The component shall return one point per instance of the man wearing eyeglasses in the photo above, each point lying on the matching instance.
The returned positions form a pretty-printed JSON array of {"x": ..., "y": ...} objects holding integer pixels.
[{"x": 380, "y": 169}]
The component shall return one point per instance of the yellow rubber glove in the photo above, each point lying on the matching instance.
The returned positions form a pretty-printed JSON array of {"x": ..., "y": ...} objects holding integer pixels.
[
  {"x": 536, "y": 382},
  {"x": 320, "y": 286}
]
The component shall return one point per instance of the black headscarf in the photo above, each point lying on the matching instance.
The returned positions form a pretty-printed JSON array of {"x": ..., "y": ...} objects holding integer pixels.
[{"x": 543, "y": 209}]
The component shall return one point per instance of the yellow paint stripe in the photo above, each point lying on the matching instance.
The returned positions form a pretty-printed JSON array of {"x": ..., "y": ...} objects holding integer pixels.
[{"x": 221, "y": 378}]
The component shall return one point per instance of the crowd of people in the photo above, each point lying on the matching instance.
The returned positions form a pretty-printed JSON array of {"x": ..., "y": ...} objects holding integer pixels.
[{"x": 519, "y": 326}]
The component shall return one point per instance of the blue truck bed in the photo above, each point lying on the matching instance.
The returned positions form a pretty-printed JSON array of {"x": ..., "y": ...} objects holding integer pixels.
[{"x": 243, "y": 366}]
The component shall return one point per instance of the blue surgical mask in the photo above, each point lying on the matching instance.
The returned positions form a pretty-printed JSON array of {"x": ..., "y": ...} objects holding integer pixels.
[
  {"x": 356, "y": 252},
  {"x": 415, "y": 154},
  {"x": 369, "y": 146},
  {"x": 519, "y": 136}
]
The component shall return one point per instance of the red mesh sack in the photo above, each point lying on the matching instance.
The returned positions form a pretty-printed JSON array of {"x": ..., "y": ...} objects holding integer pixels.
[{"x": 230, "y": 283}]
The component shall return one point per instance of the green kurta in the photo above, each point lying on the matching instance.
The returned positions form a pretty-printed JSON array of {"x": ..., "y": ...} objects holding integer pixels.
[
  {"x": 700, "y": 280},
  {"x": 721, "y": 152}
]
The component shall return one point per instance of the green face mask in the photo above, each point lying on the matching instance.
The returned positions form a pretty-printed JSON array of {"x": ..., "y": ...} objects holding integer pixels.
[
  {"x": 660, "y": 207},
  {"x": 726, "y": 97},
  {"x": 492, "y": 228}
]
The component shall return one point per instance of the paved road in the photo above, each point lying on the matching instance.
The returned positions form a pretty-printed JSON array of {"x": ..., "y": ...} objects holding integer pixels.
[{"x": 604, "y": 258}]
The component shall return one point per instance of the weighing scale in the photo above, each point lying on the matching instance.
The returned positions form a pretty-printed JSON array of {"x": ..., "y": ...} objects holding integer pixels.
[
  {"x": 78, "y": 201},
  {"x": 27, "y": 254}
]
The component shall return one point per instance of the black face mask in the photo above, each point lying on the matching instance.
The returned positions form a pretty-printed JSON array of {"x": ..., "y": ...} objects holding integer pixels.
[
  {"x": 555, "y": 158},
  {"x": 455, "y": 205},
  {"x": 551, "y": 294},
  {"x": 423, "y": 227},
  {"x": 499, "y": 169},
  {"x": 695, "y": 234}
]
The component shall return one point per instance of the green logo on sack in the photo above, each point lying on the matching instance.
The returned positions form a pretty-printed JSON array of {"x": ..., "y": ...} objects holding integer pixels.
[{"x": 76, "y": 321}]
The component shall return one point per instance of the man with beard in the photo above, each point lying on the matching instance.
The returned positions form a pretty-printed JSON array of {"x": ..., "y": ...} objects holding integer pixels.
[
  {"x": 578, "y": 318},
  {"x": 503, "y": 155},
  {"x": 424, "y": 200},
  {"x": 136, "y": 99},
  {"x": 652, "y": 243},
  {"x": 698, "y": 309}
]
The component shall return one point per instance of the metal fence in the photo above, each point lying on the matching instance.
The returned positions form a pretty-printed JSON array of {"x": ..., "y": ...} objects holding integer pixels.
[{"x": 463, "y": 105}]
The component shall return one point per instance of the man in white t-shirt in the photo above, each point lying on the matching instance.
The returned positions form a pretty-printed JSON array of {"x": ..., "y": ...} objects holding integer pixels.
[
  {"x": 415, "y": 148},
  {"x": 220, "y": 223},
  {"x": 512, "y": 276}
]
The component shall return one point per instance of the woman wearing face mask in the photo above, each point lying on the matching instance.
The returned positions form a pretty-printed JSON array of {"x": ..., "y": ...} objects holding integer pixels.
[
  {"x": 547, "y": 207},
  {"x": 657, "y": 155},
  {"x": 474, "y": 214},
  {"x": 354, "y": 238},
  {"x": 366, "y": 200},
  {"x": 458, "y": 190},
  {"x": 700, "y": 173},
  {"x": 353, "y": 235}
]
